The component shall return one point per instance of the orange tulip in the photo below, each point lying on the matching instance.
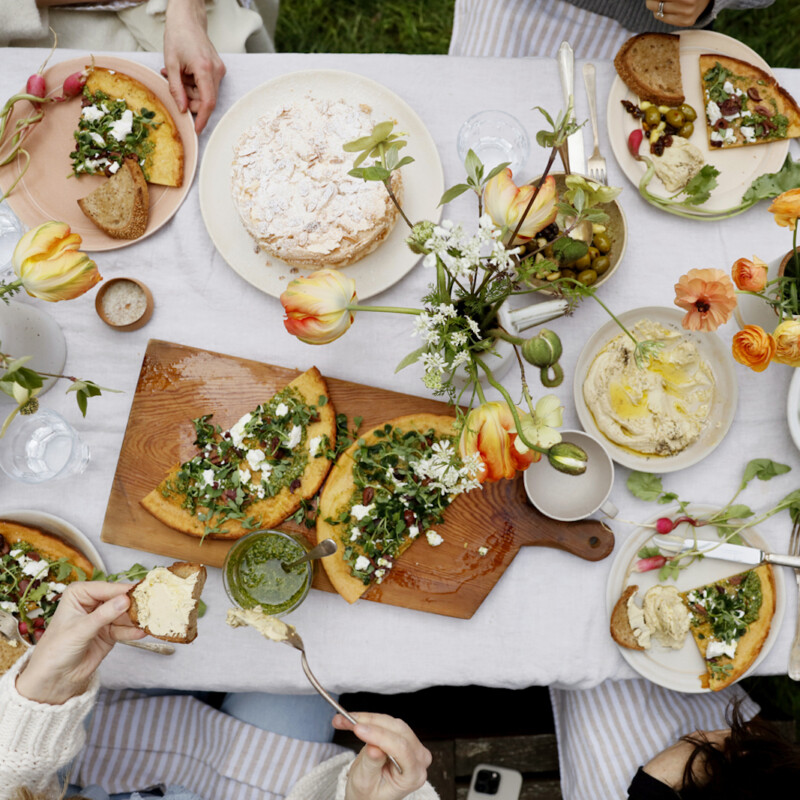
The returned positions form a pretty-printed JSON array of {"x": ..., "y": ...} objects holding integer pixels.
[
  {"x": 786, "y": 208},
  {"x": 787, "y": 342},
  {"x": 50, "y": 266},
  {"x": 708, "y": 297},
  {"x": 506, "y": 202},
  {"x": 750, "y": 276},
  {"x": 489, "y": 432},
  {"x": 317, "y": 306},
  {"x": 753, "y": 347}
]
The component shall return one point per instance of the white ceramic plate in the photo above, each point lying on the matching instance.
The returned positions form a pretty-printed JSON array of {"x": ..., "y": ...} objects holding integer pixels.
[
  {"x": 738, "y": 166},
  {"x": 50, "y": 523},
  {"x": 681, "y": 669},
  {"x": 723, "y": 410},
  {"x": 423, "y": 181},
  {"x": 793, "y": 408}
]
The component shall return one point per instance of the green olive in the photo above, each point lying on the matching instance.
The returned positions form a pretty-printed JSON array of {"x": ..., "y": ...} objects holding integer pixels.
[
  {"x": 587, "y": 277},
  {"x": 569, "y": 273},
  {"x": 601, "y": 264},
  {"x": 675, "y": 118},
  {"x": 602, "y": 242},
  {"x": 652, "y": 116},
  {"x": 686, "y": 131},
  {"x": 548, "y": 251},
  {"x": 581, "y": 263},
  {"x": 593, "y": 253},
  {"x": 690, "y": 115}
]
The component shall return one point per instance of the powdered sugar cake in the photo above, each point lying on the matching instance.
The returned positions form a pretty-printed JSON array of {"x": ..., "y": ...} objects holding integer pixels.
[{"x": 291, "y": 187}]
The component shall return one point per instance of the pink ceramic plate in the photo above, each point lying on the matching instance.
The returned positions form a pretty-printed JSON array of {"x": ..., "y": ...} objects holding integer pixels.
[{"x": 48, "y": 190}]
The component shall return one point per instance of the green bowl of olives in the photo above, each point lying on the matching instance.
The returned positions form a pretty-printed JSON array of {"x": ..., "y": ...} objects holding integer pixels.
[{"x": 606, "y": 245}]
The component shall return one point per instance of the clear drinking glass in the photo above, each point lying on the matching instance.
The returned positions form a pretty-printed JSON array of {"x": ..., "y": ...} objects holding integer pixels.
[
  {"x": 40, "y": 447},
  {"x": 495, "y": 137},
  {"x": 11, "y": 231}
]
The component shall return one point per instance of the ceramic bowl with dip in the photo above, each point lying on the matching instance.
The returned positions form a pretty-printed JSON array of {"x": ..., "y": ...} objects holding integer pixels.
[
  {"x": 254, "y": 574},
  {"x": 124, "y": 304}
]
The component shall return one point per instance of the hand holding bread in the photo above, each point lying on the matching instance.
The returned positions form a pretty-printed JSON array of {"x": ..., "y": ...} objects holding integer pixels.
[{"x": 90, "y": 619}]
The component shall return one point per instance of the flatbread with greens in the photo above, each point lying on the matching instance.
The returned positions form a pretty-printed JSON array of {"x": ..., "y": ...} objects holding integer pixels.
[
  {"x": 258, "y": 472},
  {"x": 386, "y": 490}
]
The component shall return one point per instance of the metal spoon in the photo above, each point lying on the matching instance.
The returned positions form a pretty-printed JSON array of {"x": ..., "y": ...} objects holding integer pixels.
[{"x": 325, "y": 548}]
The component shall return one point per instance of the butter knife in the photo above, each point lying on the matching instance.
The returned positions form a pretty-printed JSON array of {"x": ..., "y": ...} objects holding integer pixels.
[
  {"x": 566, "y": 66},
  {"x": 729, "y": 552}
]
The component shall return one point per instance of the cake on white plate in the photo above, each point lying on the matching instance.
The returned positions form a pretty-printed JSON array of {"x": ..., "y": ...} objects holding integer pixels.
[{"x": 290, "y": 185}]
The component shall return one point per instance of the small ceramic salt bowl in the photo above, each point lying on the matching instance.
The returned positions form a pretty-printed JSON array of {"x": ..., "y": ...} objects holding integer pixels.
[
  {"x": 124, "y": 304},
  {"x": 567, "y": 498}
]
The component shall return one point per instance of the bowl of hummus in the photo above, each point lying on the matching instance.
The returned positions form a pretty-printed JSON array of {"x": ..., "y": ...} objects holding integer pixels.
[{"x": 666, "y": 414}]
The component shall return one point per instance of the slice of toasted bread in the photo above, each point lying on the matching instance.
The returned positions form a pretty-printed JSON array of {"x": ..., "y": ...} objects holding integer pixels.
[
  {"x": 650, "y": 66},
  {"x": 182, "y": 626},
  {"x": 121, "y": 206},
  {"x": 621, "y": 630}
]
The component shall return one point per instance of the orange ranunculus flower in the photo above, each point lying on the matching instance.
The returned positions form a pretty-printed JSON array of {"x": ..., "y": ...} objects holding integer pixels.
[
  {"x": 708, "y": 297},
  {"x": 317, "y": 306},
  {"x": 505, "y": 203},
  {"x": 787, "y": 342},
  {"x": 786, "y": 208},
  {"x": 753, "y": 347},
  {"x": 50, "y": 266},
  {"x": 750, "y": 276},
  {"x": 489, "y": 432}
]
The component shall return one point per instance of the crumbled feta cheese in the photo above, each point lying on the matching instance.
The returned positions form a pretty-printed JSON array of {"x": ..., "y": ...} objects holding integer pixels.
[
  {"x": 208, "y": 477},
  {"x": 36, "y": 569},
  {"x": 313, "y": 445},
  {"x": 123, "y": 126},
  {"x": 748, "y": 133},
  {"x": 37, "y": 612},
  {"x": 483, "y": 550},
  {"x": 712, "y": 112},
  {"x": 282, "y": 410},
  {"x": 255, "y": 458},
  {"x": 362, "y": 564},
  {"x": 15, "y": 553},
  {"x": 354, "y": 533},
  {"x": 434, "y": 540},
  {"x": 237, "y": 431},
  {"x": 92, "y": 113},
  {"x": 379, "y": 573},
  {"x": 294, "y": 437},
  {"x": 413, "y": 531},
  {"x": 727, "y": 87},
  {"x": 717, "y": 648},
  {"x": 359, "y": 512},
  {"x": 113, "y": 167},
  {"x": 8, "y": 606},
  {"x": 244, "y": 476},
  {"x": 266, "y": 470},
  {"x": 384, "y": 562}
]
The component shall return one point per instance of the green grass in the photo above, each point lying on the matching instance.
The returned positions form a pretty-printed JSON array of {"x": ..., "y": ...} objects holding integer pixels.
[{"x": 423, "y": 26}]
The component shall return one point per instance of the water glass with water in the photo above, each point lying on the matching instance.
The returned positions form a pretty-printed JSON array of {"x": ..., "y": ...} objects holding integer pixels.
[
  {"x": 42, "y": 446},
  {"x": 11, "y": 231},
  {"x": 495, "y": 137}
]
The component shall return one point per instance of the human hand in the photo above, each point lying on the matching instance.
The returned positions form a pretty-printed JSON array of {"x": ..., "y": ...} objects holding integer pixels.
[
  {"x": 683, "y": 13},
  {"x": 89, "y": 619},
  {"x": 191, "y": 63},
  {"x": 371, "y": 776}
]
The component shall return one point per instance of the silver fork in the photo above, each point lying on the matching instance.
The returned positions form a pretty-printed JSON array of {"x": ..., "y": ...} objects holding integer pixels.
[
  {"x": 596, "y": 164},
  {"x": 794, "y": 653}
]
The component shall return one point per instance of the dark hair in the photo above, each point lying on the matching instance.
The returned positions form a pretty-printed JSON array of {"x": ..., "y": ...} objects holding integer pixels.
[{"x": 752, "y": 763}]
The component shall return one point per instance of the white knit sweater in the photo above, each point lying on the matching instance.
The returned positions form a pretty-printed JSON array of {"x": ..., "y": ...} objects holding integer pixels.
[{"x": 37, "y": 739}]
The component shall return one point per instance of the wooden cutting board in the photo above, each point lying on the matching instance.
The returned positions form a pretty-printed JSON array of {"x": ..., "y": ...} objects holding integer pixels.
[{"x": 178, "y": 383}]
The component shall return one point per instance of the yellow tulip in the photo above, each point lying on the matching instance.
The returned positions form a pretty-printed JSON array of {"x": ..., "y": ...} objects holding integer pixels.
[
  {"x": 506, "y": 202},
  {"x": 787, "y": 343},
  {"x": 50, "y": 266},
  {"x": 317, "y": 306}
]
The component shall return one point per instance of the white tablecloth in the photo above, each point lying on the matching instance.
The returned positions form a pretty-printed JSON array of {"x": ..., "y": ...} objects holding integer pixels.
[{"x": 545, "y": 621}]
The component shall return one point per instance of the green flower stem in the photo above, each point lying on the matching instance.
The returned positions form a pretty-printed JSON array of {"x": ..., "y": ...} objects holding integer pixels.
[
  {"x": 511, "y": 407},
  {"x": 500, "y": 333},
  {"x": 534, "y": 195},
  {"x": 9, "y": 288},
  {"x": 608, "y": 311},
  {"x": 384, "y": 309},
  {"x": 396, "y": 204}
]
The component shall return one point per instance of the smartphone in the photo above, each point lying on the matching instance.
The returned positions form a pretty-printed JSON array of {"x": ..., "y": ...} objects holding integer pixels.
[{"x": 497, "y": 783}]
